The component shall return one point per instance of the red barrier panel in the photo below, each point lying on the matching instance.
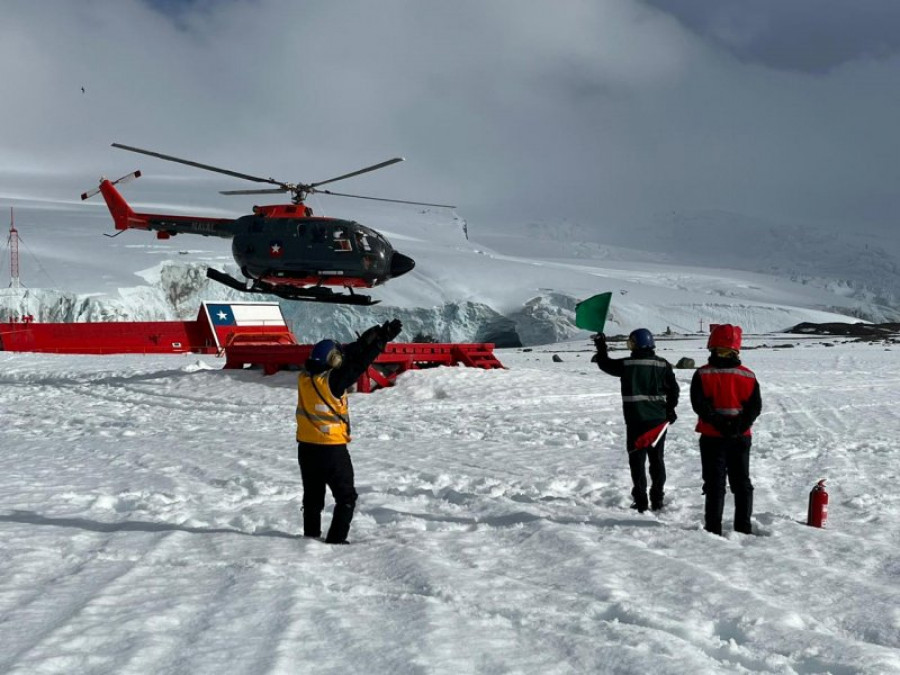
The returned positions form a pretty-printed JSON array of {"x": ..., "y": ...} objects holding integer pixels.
[
  {"x": 253, "y": 334},
  {"x": 150, "y": 337},
  {"x": 398, "y": 357},
  {"x": 216, "y": 325}
]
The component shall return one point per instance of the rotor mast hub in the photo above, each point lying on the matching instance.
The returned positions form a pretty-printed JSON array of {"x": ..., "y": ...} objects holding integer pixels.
[{"x": 296, "y": 210}]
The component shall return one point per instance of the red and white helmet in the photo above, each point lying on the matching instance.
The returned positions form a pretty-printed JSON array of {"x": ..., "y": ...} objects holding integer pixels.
[{"x": 725, "y": 336}]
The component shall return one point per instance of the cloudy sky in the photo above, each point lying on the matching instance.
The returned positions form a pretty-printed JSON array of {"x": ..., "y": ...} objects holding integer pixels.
[{"x": 602, "y": 112}]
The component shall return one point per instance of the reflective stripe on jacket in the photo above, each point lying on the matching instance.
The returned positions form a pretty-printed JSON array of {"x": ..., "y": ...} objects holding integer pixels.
[
  {"x": 727, "y": 389},
  {"x": 644, "y": 389},
  {"x": 321, "y": 417}
]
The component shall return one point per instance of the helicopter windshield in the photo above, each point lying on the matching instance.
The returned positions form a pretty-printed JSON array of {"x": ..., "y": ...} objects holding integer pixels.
[{"x": 375, "y": 238}]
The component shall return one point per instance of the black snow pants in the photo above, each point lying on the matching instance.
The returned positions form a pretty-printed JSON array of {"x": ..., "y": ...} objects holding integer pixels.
[
  {"x": 721, "y": 458},
  {"x": 321, "y": 466},
  {"x": 637, "y": 459}
]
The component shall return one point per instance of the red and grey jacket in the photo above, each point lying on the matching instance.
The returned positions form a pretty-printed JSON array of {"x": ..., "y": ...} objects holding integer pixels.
[{"x": 724, "y": 389}]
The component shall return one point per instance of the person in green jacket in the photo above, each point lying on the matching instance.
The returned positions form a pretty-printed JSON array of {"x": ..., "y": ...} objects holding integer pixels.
[{"x": 649, "y": 398}]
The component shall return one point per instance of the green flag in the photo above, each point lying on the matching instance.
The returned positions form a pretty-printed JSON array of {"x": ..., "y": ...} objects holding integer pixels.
[{"x": 591, "y": 314}]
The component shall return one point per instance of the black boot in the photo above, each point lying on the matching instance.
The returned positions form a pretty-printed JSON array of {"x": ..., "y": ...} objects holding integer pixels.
[
  {"x": 340, "y": 524},
  {"x": 639, "y": 495},
  {"x": 743, "y": 508},
  {"x": 312, "y": 523},
  {"x": 715, "y": 504}
]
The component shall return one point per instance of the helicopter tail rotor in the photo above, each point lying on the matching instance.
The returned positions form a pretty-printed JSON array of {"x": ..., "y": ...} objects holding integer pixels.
[{"x": 123, "y": 179}]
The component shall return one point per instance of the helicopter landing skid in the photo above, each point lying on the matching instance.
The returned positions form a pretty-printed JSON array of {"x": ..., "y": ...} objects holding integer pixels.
[{"x": 314, "y": 294}]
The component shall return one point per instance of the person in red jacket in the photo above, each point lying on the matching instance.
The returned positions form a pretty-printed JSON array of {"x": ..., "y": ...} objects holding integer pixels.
[{"x": 726, "y": 397}]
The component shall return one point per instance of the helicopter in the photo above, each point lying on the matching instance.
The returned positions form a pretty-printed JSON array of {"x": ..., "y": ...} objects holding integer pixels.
[{"x": 283, "y": 250}]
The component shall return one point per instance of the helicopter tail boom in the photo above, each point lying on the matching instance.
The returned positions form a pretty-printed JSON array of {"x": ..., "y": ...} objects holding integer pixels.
[{"x": 165, "y": 226}]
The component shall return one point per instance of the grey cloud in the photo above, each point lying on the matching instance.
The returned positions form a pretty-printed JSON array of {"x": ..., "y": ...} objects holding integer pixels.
[
  {"x": 600, "y": 112},
  {"x": 813, "y": 36}
]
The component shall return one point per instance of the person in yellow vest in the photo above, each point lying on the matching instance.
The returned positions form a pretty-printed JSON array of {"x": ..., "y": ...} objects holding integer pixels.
[{"x": 323, "y": 426}]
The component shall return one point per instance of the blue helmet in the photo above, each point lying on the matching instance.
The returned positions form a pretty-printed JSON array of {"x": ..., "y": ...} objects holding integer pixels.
[
  {"x": 641, "y": 339},
  {"x": 327, "y": 353}
]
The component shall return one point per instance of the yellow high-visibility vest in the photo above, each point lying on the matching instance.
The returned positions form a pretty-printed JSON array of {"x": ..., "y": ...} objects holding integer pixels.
[{"x": 321, "y": 417}]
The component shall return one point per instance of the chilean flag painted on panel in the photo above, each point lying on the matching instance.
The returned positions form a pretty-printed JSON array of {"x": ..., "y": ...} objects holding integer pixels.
[
  {"x": 276, "y": 249},
  {"x": 249, "y": 318},
  {"x": 221, "y": 315}
]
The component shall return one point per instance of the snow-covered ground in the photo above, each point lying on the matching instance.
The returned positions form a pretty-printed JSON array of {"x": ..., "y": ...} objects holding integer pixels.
[{"x": 150, "y": 513}]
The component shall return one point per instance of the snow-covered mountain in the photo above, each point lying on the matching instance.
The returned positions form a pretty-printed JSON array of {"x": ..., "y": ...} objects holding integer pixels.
[
  {"x": 849, "y": 263},
  {"x": 515, "y": 287}
]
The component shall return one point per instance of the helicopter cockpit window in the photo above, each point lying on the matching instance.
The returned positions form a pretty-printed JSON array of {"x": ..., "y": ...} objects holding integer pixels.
[
  {"x": 362, "y": 242},
  {"x": 341, "y": 241}
]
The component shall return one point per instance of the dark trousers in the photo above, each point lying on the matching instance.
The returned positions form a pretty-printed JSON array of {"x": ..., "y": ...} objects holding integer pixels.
[
  {"x": 637, "y": 460},
  {"x": 321, "y": 466},
  {"x": 721, "y": 458}
]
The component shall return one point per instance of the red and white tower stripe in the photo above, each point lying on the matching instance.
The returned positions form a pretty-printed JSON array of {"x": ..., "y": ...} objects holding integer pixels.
[{"x": 13, "y": 252}]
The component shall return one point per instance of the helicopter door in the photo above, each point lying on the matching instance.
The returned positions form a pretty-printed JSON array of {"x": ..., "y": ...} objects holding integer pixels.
[{"x": 317, "y": 240}]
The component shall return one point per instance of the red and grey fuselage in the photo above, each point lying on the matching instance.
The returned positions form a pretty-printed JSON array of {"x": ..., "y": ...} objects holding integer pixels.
[{"x": 282, "y": 245}]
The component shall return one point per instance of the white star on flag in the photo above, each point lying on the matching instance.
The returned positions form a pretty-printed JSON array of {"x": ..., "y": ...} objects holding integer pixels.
[{"x": 222, "y": 316}]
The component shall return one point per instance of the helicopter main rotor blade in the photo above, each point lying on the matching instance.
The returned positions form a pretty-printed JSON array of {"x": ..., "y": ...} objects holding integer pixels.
[
  {"x": 262, "y": 191},
  {"x": 170, "y": 158},
  {"x": 382, "y": 199},
  {"x": 381, "y": 165}
]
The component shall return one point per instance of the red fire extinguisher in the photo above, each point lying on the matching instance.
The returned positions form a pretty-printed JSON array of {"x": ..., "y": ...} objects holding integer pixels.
[{"x": 818, "y": 505}]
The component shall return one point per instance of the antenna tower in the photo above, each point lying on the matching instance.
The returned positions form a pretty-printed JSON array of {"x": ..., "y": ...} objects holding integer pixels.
[{"x": 13, "y": 252}]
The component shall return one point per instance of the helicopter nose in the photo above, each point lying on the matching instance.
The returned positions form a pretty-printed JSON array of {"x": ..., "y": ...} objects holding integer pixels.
[{"x": 401, "y": 264}]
